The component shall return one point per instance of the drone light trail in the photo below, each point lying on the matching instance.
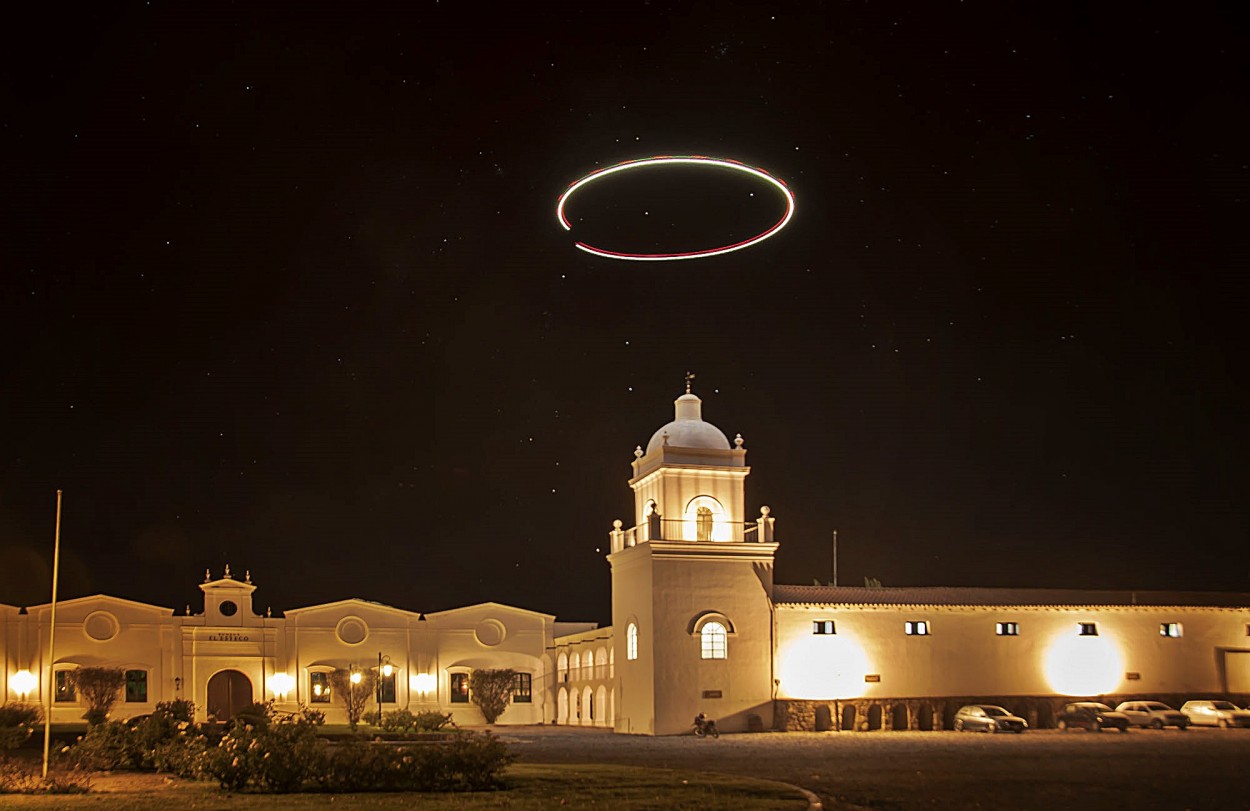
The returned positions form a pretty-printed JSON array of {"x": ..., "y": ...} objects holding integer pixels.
[{"x": 669, "y": 160}]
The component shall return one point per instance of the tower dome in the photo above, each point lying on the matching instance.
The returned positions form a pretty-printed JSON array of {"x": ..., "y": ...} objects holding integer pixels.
[{"x": 689, "y": 430}]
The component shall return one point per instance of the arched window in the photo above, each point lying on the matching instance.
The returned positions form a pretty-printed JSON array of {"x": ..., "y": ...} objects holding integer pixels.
[
  {"x": 714, "y": 641},
  {"x": 705, "y": 520},
  {"x": 703, "y": 524},
  {"x": 631, "y": 642},
  {"x": 562, "y": 667},
  {"x": 575, "y": 666}
]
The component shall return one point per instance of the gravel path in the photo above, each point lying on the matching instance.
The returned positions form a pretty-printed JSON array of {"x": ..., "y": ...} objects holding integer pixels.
[{"x": 1043, "y": 770}]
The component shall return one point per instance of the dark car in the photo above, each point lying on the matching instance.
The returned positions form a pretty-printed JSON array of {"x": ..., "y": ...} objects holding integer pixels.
[
  {"x": 1092, "y": 716},
  {"x": 988, "y": 718}
]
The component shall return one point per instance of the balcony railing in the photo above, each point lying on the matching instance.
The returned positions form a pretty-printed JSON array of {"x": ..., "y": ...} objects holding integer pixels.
[{"x": 695, "y": 530}]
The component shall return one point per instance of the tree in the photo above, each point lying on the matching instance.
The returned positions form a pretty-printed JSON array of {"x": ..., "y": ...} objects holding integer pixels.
[
  {"x": 491, "y": 691},
  {"x": 354, "y": 694},
  {"x": 99, "y": 688}
]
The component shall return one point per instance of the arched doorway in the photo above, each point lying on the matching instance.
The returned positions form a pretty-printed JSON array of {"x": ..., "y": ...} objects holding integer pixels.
[
  {"x": 228, "y": 692},
  {"x": 824, "y": 718},
  {"x": 899, "y": 719},
  {"x": 848, "y": 716},
  {"x": 562, "y": 707}
]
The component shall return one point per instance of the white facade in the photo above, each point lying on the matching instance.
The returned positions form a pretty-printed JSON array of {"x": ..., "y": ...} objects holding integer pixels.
[
  {"x": 228, "y": 656},
  {"x": 698, "y": 625}
]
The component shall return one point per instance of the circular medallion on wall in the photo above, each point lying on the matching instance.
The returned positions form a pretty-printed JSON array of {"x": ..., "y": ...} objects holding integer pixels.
[
  {"x": 352, "y": 630},
  {"x": 490, "y": 632},
  {"x": 100, "y": 626},
  {"x": 227, "y": 608}
]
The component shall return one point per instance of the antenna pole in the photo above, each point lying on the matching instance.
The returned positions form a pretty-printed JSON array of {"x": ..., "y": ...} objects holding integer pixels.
[{"x": 835, "y": 558}]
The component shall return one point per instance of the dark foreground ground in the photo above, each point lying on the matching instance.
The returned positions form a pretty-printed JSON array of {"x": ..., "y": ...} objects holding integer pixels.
[{"x": 1043, "y": 770}]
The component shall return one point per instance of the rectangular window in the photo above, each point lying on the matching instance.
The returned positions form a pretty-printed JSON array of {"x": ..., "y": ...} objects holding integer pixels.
[
  {"x": 823, "y": 627},
  {"x": 136, "y": 686},
  {"x": 1007, "y": 628},
  {"x": 319, "y": 688},
  {"x": 1087, "y": 628},
  {"x": 522, "y": 688},
  {"x": 917, "y": 627},
  {"x": 1172, "y": 630},
  {"x": 459, "y": 688},
  {"x": 386, "y": 688},
  {"x": 65, "y": 686}
]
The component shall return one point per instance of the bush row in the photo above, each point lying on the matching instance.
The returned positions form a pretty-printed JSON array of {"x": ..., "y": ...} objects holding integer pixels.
[{"x": 265, "y": 751}]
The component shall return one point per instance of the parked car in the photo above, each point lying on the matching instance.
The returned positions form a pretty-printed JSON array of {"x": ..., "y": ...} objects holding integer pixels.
[
  {"x": 988, "y": 718},
  {"x": 1092, "y": 716},
  {"x": 1153, "y": 714},
  {"x": 1215, "y": 714}
]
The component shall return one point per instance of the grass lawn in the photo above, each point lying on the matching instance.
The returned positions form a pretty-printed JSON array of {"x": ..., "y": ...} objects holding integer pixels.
[{"x": 530, "y": 786}]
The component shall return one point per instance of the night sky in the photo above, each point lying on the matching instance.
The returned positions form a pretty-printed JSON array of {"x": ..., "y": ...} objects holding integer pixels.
[{"x": 284, "y": 288}]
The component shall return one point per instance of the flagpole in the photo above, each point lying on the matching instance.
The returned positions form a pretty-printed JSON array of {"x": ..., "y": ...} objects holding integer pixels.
[{"x": 51, "y": 683}]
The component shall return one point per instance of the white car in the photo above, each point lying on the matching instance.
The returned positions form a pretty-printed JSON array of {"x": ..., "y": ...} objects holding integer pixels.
[
  {"x": 1153, "y": 714},
  {"x": 1216, "y": 714}
]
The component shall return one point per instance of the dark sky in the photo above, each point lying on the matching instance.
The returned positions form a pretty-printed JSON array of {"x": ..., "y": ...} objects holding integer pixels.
[{"x": 283, "y": 287}]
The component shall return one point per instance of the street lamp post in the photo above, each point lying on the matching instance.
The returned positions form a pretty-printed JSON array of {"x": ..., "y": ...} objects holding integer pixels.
[{"x": 385, "y": 671}]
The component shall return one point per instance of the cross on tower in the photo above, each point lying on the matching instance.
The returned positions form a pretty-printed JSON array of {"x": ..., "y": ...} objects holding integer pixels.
[{"x": 689, "y": 377}]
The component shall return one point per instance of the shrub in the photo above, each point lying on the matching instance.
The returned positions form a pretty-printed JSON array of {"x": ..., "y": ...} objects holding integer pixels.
[
  {"x": 17, "y": 721},
  {"x": 470, "y": 762},
  {"x": 353, "y": 695},
  {"x": 280, "y": 755},
  {"x": 18, "y": 778},
  {"x": 99, "y": 688},
  {"x": 403, "y": 721},
  {"x": 106, "y": 747},
  {"x": 491, "y": 691}
]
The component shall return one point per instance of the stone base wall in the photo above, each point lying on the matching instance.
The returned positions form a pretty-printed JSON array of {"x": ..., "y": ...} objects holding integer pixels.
[{"x": 924, "y": 714}]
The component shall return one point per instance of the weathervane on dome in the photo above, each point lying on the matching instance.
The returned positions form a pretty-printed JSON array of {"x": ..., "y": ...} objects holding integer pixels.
[{"x": 689, "y": 377}]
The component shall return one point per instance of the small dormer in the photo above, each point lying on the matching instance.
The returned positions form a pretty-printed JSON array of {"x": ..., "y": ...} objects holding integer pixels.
[{"x": 227, "y": 601}]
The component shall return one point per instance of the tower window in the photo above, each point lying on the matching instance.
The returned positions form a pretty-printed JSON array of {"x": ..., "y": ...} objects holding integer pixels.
[
  {"x": 1087, "y": 629},
  {"x": 916, "y": 627},
  {"x": 631, "y": 642},
  {"x": 714, "y": 641},
  {"x": 1172, "y": 630},
  {"x": 227, "y": 608},
  {"x": 1007, "y": 628},
  {"x": 823, "y": 627}
]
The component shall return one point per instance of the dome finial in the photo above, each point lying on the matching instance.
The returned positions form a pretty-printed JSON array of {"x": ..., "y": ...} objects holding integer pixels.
[{"x": 689, "y": 378}]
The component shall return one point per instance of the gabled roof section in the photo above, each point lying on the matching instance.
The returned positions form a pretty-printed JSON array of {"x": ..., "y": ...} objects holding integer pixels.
[
  {"x": 351, "y": 602},
  {"x": 480, "y": 606},
  {"x": 106, "y": 598},
  {"x": 968, "y": 596}
]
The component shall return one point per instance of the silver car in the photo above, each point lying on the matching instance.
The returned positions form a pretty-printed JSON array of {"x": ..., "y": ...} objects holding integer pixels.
[
  {"x": 988, "y": 718},
  {"x": 1153, "y": 714},
  {"x": 1216, "y": 714}
]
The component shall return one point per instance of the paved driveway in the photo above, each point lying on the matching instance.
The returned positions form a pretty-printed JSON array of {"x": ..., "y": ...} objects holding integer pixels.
[{"x": 1043, "y": 770}]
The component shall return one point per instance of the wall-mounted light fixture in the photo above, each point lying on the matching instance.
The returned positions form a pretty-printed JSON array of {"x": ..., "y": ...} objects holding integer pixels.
[
  {"x": 423, "y": 683},
  {"x": 178, "y": 684},
  {"x": 281, "y": 683},
  {"x": 24, "y": 683}
]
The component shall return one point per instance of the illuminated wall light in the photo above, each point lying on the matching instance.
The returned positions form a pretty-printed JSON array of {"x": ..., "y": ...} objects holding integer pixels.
[
  {"x": 355, "y": 677},
  {"x": 388, "y": 670},
  {"x": 423, "y": 683},
  {"x": 24, "y": 683},
  {"x": 822, "y": 667},
  {"x": 1083, "y": 665},
  {"x": 665, "y": 160},
  {"x": 281, "y": 684}
]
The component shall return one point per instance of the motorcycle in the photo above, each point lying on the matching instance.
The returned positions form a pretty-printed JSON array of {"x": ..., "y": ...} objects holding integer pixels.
[{"x": 704, "y": 728}]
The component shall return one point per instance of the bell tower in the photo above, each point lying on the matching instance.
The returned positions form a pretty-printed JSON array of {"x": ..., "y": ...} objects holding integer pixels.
[{"x": 692, "y": 585}]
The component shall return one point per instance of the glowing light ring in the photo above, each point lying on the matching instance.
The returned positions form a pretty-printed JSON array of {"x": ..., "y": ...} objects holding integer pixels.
[{"x": 660, "y": 160}]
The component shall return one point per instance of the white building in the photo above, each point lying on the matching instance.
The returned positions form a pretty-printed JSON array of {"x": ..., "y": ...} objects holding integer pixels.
[{"x": 697, "y": 626}]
